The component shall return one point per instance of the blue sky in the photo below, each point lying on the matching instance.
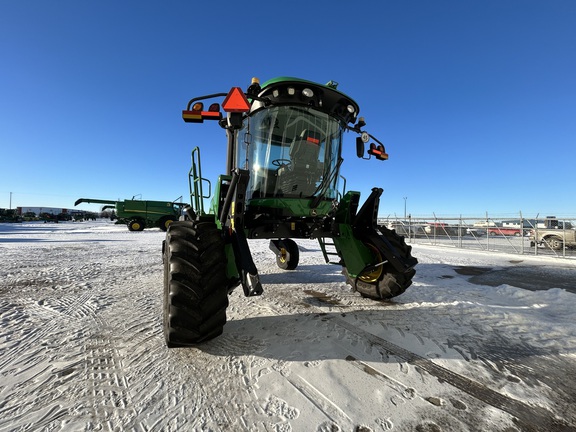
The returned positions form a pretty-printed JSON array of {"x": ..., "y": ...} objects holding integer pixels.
[{"x": 474, "y": 100}]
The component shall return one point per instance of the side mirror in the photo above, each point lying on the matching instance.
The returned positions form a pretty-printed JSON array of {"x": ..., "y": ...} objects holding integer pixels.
[
  {"x": 360, "y": 141},
  {"x": 360, "y": 147}
]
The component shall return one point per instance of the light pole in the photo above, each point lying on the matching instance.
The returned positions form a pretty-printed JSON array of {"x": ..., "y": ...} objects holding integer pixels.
[{"x": 405, "y": 198}]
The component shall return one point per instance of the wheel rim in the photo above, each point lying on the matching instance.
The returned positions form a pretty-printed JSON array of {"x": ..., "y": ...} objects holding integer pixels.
[
  {"x": 283, "y": 256},
  {"x": 136, "y": 226},
  {"x": 374, "y": 275}
]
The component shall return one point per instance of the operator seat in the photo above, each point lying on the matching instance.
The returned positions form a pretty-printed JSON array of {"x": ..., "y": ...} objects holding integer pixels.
[{"x": 299, "y": 179}]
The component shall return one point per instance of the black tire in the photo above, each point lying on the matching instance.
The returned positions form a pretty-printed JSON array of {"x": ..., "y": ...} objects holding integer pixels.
[
  {"x": 165, "y": 221},
  {"x": 289, "y": 255},
  {"x": 195, "y": 283},
  {"x": 136, "y": 225},
  {"x": 385, "y": 281},
  {"x": 554, "y": 243}
]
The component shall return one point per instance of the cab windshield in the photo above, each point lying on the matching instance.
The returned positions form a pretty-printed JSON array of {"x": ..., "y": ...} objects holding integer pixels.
[{"x": 291, "y": 152}]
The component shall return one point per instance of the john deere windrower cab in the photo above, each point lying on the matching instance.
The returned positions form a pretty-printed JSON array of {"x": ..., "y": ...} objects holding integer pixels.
[{"x": 282, "y": 176}]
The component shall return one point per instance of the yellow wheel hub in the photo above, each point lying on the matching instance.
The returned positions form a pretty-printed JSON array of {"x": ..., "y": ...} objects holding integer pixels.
[
  {"x": 283, "y": 255},
  {"x": 374, "y": 275}
]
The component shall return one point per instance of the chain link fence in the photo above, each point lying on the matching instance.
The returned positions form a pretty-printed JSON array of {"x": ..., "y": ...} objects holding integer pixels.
[{"x": 549, "y": 236}]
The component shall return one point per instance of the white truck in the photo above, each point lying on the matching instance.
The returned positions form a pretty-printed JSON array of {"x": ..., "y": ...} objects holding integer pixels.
[{"x": 556, "y": 235}]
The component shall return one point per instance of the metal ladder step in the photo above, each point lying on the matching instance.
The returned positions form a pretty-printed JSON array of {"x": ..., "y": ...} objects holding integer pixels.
[{"x": 329, "y": 250}]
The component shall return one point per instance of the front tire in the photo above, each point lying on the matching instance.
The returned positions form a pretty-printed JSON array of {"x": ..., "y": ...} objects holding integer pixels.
[
  {"x": 195, "y": 283},
  {"x": 288, "y": 254},
  {"x": 136, "y": 225},
  {"x": 165, "y": 222},
  {"x": 384, "y": 281}
]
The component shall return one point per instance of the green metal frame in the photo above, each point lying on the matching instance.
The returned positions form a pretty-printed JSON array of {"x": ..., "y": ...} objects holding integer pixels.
[{"x": 195, "y": 180}]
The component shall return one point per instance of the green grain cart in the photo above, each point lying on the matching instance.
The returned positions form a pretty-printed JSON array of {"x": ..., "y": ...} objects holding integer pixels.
[
  {"x": 282, "y": 182},
  {"x": 140, "y": 214}
]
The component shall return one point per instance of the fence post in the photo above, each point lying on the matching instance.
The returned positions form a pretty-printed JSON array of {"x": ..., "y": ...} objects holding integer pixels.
[
  {"x": 521, "y": 233},
  {"x": 534, "y": 230},
  {"x": 564, "y": 238},
  {"x": 460, "y": 233},
  {"x": 487, "y": 234}
]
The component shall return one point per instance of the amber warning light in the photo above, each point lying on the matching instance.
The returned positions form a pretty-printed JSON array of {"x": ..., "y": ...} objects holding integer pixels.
[
  {"x": 378, "y": 151},
  {"x": 198, "y": 115}
]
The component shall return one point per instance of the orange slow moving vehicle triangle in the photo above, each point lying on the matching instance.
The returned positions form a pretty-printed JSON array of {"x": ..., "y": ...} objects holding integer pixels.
[{"x": 236, "y": 101}]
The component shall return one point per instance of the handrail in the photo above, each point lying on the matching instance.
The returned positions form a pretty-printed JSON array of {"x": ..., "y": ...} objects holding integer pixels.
[{"x": 195, "y": 180}]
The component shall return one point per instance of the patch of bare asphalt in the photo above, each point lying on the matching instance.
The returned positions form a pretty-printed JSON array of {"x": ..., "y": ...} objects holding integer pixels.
[
  {"x": 472, "y": 271},
  {"x": 532, "y": 278}
]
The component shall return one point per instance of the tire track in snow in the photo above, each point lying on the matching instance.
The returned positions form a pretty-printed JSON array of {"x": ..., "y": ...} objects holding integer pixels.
[
  {"x": 337, "y": 413},
  {"x": 158, "y": 380},
  {"x": 528, "y": 417},
  {"x": 44, "y": 326},
  {"x": 107, "y": 387},
  {"x": 313, "y": 385},
  {"x": 68, "y": 321},
  {"x": 331, "y": 410},
  {"x": 64, "y": 368}
]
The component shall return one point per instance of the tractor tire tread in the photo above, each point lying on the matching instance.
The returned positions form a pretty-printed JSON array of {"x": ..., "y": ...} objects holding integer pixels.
[
  {"x": 392, "y": 283},
  {"x": 195, "y": 283}
]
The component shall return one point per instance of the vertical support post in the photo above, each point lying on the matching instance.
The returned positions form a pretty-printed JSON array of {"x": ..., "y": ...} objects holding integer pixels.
[
  {"x": 487, "y": 233},
  {"x": 405, "y": 198},
  {"x": 536, "y": 237},
  {"x": 564, "y": 238},
  {"x": 460, "y": 234},
  {"x": 521, "y": 233}
]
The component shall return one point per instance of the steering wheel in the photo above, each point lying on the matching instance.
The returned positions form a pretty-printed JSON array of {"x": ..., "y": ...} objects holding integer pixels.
[{"x": 280, "y": 162}]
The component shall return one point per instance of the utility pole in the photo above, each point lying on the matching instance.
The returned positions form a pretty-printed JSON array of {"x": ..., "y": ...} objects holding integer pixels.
[
  {"x": 405, "y": 198},
  {"x": 10, "y": 200}
]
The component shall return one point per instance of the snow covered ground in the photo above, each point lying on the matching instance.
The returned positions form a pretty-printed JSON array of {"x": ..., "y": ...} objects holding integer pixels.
[{"x": 82, "y": 348}]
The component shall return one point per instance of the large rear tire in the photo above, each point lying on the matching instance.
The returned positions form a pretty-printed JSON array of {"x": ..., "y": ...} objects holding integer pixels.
[
  {"x": 384, "y": 281},
  {"x": 195, "y": 283}
]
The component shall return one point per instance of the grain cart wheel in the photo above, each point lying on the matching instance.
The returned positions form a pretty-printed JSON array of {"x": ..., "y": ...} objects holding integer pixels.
[
  {"x": 288, "y": 254},
  {"x": 136, "y": 225},
  {"x": 384, "y": 281},
  {"x": 195, "y": 283},
  {"x": 165, "y": 221}
]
